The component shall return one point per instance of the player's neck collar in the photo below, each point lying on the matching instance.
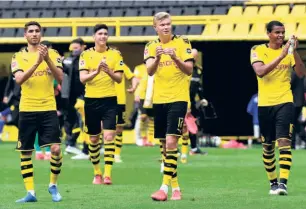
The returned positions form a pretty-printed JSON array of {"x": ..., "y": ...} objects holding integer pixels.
[
  {"x": 107, "y": 48},
  {"x": 173, "y": 37},
  {"x": 267, "y": 45}
]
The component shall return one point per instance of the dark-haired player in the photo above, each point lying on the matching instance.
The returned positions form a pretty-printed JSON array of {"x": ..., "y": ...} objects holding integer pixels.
[
  {"x": 35, "y": 69},
  {"x": 100, "y": 67},
  {"x": 272, "y": 64}
]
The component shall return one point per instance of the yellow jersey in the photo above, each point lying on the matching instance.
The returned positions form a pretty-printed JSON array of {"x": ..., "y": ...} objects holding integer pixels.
[
  {"x": 274, "y": 88},
  {"x": 102, "y": 85},
  {"x": 37, "y": 93},
  {"x": 170, "y": 83},
  {"x": 120, "y": 87},
  {"x": 142, "y": 74}
]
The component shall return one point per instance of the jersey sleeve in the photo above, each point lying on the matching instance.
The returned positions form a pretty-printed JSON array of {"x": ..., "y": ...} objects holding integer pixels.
[
  {"x": 16, "y": 64},
  {"x": 185, "y": 50},
  {"x": 149, "y": 52},
  {"x": 256, "y": 55},
  {"x": 119, "y": 63},
  {"x": 56, "y": 58},
  {"x": 128, "y": 73},
  {"x": 83, "y": 62}
]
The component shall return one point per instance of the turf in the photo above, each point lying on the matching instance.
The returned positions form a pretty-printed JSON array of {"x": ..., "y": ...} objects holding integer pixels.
[{"x": 223, "y": 179}]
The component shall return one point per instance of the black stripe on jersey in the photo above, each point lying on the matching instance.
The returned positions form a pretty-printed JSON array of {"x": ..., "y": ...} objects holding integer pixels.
[
  {"x": 257, "y": 61},
  {"x": 83, "y": 69},
  {"x": 147, "y": 59},
  {"x": 118, "y": 71},
  {"x": 191, "y": 59}
]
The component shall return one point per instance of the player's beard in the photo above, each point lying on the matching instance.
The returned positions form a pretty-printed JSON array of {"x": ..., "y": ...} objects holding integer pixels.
[{"x": 34, "y": 42}]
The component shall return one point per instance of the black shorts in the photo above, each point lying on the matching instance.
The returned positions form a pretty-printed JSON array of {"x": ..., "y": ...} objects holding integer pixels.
[
  {"x": 97, "y": 110},
  {"x": 169, "y": 119},
  {"x": 46, "y": 123},
  {"x": 146, "y": 111},
  {"x": 276, "y": 122},
  {"x": 120, "y": 114}
]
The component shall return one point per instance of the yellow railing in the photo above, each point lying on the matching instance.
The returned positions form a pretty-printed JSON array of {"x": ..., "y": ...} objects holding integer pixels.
[{"x": 118, "y": 22}]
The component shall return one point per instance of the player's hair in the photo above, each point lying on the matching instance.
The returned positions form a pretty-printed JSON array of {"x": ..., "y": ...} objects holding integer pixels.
[
  {"x": 99, "y": 27},
  {"x": 78, "y": 41},
  {"x": 26, "y": 26},
  {"x": 273, "y": 23},
  {"x": 160, "y": 16}
]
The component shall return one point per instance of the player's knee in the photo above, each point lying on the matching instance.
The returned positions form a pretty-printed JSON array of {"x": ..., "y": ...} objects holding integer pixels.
[
  {"x": 119, "y": 129},
  {"x": 171, "y": 142},
  {"x": 143, "y": 118},
  {"x": 27, "y": 153},
  {"x": 268, "y": 147},
  {"x": 109, "y": 136},
  {"x": 55, "y": 149},
  {"x": 284, "y": 142},
  {"x": 94, "y": 139}
]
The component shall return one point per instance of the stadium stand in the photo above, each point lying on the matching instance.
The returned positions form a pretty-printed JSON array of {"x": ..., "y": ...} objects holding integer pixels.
[{"x": 223, "y": 19}]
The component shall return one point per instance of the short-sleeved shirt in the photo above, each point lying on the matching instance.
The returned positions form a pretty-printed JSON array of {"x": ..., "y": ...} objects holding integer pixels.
[
  {"x": 120, "y": 87},
  {"x": 170, "y": 83},
  {"x": 102, "y": 85},
  {"x": 37, "y": 93},
  {"x": 273, "y": 88},
  {"x": 142, "y": 74}
]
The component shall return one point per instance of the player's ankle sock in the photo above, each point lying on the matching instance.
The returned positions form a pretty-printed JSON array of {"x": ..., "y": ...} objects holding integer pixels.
[
  {"x": 285, "y": 162},
  {"x": 269, "y": 163},
  {"x": 32, "y": 192},
  {"x": 151, "y": 130},
  {"x": 176, "y": 189},
  {"x": 164, "y": 188},
  {"x": 118, "y": 143},
  {"x": 94, "y": 152},
  {"x": 170, "y": 165},
  {"x": 109, "y": 151},
  {"x": 143, "y": 129},
  {"x": 56, "y": 163},
  {"x": 27, "y": 171},
  {"x": 185, "y": 139}
]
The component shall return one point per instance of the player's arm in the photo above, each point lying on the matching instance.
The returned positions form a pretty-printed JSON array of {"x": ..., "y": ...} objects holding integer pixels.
[
  {"x": 20, "y": 75},
  {"x": 52, "y": 58},
  {"x": 115, "y": 74},
  {"x": 152, "y": 58},
  {"x": 184, "y": 60},
  {"x": 262, "y": 69},
  {"x": 85, "y": 74},
  {"x": 131, "y": 77},
  {"x": 298, "y": 63}
]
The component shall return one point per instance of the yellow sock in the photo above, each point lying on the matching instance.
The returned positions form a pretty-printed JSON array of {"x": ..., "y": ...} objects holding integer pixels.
[
  {"x": 174, "y": 181},
  {"x": 285, "y": 162},
  {"x": 118, "y": 143},
  {"x": 56, "y": 163},
  {"x": 169, "y": 165},
  {"x": 185, "y": 139},
  {"x": 27, "y": 171},
  {"x": 269, "y": 163},
  {"x": 151, "y": 130},
  {"x": 109, "y": 151},
  {"x": 94, "y": 152}
]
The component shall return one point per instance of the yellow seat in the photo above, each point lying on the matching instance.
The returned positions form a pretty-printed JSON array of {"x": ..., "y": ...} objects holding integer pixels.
[
  {"x": 242, "y": 29},
  {"x": 250, "y": 11},
  {"x": 258, "y": 29},
  {"x": 290, "y": 28},
  {"x": 265, "y": 10},
  {"x": 210, "y": 29},
  {"x": 282, "y": 10},
  {"x": 226, "y": 30},
  {"x": 298, "y": 10},
  {"x": 301, "y": 30},
  {"x": 235, "y": 11}
]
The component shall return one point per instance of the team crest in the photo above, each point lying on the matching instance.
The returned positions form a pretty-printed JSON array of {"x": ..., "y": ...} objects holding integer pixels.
[
  {"x": 82, "y": 63},
  {"x": 18, "y": 144},
  {"x": 188, "y": 51},
  {"x": 146, "y": 51},
  {"x": 59, "y": 60},
  {"x": 121, "y": 63},
  {"x": 254, "y": 55}
]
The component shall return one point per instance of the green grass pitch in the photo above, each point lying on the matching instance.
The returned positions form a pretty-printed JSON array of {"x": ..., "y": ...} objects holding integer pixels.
[{"x": 223, "y": 179}]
